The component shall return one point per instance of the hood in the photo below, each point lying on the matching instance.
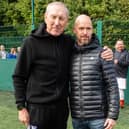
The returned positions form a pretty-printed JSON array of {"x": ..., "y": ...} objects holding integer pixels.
[
  {"x": 93, "y": 44},
  {"x": 41, "y": 32}
]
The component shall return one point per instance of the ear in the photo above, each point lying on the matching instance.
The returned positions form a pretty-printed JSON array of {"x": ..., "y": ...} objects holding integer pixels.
[
  {"x": 74, "y": 30},
  {"x": 45, "y": 17}
]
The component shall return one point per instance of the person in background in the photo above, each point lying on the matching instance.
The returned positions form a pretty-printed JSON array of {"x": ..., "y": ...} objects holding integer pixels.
[
  {"x": 41, "y": 76},
  {"x": 94, "y": 94},
  {"x": 121, "y": 62},
  {"x": 3, "y": 53},
  {"x": 18, "y": 51},
  {"x": 12, "y": 54}
]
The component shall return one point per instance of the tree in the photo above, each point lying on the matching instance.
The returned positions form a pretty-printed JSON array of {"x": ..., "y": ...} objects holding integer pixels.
[{"x": 15, "y": 12}]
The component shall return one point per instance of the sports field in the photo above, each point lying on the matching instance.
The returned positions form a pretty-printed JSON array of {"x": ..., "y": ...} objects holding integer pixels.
[{"x": 8, "y": 114}]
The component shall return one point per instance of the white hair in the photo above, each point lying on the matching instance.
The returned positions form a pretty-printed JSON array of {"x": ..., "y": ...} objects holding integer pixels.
[{"x": 58, "y": 4}]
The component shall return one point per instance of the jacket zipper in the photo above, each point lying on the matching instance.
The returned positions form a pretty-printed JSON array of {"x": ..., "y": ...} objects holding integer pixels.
[{"x": 80, "y": 86}]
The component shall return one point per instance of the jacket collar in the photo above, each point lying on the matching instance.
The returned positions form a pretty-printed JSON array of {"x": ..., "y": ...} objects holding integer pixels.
[{"x": 93, "y": 44}]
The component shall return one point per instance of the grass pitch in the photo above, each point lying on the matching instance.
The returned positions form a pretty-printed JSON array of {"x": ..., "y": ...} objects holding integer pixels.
[{"x": 9, "y": 120}]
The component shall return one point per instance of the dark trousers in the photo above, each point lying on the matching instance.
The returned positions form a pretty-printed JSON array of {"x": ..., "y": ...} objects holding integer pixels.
[{"x": 48, "y": 116}]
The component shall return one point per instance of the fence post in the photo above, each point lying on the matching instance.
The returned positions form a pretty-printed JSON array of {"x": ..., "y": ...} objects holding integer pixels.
[
  {"x": 127, "y": 90},
  {"x": 32, "y": 4},
  {"x": 99, "y": 31}
]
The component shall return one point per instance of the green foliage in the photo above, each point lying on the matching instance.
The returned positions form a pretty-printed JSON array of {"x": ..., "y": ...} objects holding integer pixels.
[
  {"x": 114, "y": 30},
  {"x": 19, "y": 11},
  {"x": 114, "y": 14}
]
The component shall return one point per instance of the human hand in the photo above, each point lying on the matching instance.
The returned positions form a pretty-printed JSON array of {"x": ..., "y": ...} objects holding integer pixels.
[
  {"x": 115, "y": 61},
  {"x": 109, "y": 123},
  {"x": 107, "y": 54},
  {"x": 23, "y": 116}
]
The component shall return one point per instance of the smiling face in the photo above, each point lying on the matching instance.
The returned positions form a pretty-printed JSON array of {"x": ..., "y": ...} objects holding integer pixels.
[
  {"x": 56, "y": 18},
  {"x": 83, "y": 29},
  {"x": 119, "y": 46}
]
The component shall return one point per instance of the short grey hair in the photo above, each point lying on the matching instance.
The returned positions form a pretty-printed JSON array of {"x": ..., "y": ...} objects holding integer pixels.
[{"x": 59, "y": 4}]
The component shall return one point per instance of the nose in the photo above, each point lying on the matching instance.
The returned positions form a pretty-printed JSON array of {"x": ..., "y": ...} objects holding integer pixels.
[
  {"x": 57, "y": 21},
  {"x": 85, "y": 31}
]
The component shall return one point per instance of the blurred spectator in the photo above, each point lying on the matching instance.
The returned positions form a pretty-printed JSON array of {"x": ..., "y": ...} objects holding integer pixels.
[
  {"x": 12, "y": 54},
  {"x": 3, "y": 53},
  {"x": 18, "y": 51},
  {"x": 121, "y": 61}
]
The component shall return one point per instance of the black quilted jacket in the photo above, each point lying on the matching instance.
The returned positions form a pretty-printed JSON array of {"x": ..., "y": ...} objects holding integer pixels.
[{"x": 94, "y": 90}]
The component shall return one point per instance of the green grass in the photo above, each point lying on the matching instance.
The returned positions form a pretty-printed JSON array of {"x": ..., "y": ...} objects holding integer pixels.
[{"x": 8, "y": 114}]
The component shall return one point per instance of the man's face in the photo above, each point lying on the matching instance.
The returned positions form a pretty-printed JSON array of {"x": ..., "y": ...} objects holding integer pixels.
[
  {"x": 2, "y": 48},
  {"x": 83, "y": 30},
  {"x": 56, "y": 20},
  {"x": 119, "y": 46}
]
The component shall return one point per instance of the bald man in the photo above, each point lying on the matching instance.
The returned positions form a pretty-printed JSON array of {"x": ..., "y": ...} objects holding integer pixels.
[{"x": 94, "y": 97}]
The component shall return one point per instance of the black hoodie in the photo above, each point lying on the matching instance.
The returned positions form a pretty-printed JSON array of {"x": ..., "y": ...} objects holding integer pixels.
[{"x": 41, "y": 73}]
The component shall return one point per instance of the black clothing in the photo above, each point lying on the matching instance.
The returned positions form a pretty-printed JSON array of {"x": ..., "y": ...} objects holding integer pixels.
[
  {"x": 94, "y": 90},
  {"x": 52, "y": 116},
  {"x": 41, "y": 78},
  {"x": 121, "y": 68},
  {"x": 41, "y": 74}
]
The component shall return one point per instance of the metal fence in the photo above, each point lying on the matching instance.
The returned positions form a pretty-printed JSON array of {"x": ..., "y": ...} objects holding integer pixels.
[
  {"x": 10, "y": 37},
  {"x": 114, "y": 30},
  {"x": 107, "y": 31}
]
